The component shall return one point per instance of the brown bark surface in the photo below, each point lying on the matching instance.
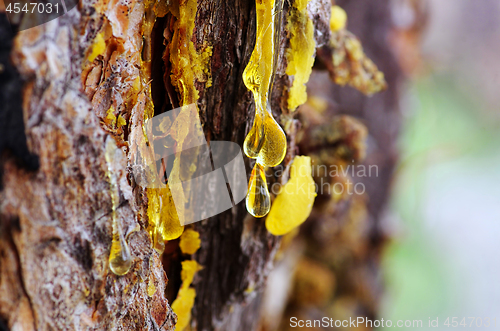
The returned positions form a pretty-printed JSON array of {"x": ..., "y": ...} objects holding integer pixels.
[{"x": 55, "y": 222}]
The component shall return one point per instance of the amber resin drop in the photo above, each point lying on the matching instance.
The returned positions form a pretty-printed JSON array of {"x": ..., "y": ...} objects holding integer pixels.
[
  {"x": 120, "y": 259},
  {"x": 273, "y": 148},
  {"x": 255, "y": 138},
  {"x": 258, "y": 200},
  {"x": 266, "y": 141}
]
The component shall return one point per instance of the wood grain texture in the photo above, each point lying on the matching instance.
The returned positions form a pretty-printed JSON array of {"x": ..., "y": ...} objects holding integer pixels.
[{"x": 56, "y": 223}]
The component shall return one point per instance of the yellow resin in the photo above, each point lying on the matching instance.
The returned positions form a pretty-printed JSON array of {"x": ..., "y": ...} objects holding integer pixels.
[
  {"x": 184, "y": 302},
  {"x": 266, "y": 141},
  {"x": 254, "y": 139},
  {"x": 162, "y": 214},
  {"x": 120, "y": 259},
  {"x": 154, "y": 220},
  {"x": 182, "y": 307},
  {"x": 338, "y": 19},
  {"x": 187, "y": 64},
  {"x": 258, "y": 200},
  {"x": 300, "y": 55},
  {"x": 294, "y": 203},
  {"x": 120, "y": 121},
  {"x": 186, "y": 123},
  {"x": 98, "y": 47},
  {"x": 151, "y": 288},
  {"x": 110, "y": 118},
  {"x": 189, "y": 269},
  {"x": 166, "y": 219},
  {"x": 190, "y": 242},
  {"x": 164, "y": 222},
  {"x": 148, "y": 22},
  {"x": 258, "y": 73}
]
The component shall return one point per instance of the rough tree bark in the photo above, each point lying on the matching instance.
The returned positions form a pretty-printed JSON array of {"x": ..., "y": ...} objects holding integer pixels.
[{"x": 55, "y": 220}]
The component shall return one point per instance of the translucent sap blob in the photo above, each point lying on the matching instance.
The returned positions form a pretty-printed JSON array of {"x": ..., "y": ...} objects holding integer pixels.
[
  {"x": 294, "y": 203},
  {"x": 258, "y": 200},
  {"x": 266, "y": 141},
  {"x": 120, "y": 259}
]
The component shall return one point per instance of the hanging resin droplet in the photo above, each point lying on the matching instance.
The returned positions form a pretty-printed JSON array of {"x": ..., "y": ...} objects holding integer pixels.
[
  {"x": 266, "y": 141},
  {"x": 255, "y": 138},
  {"x": 158, "y": 242},
  {"x": 252, "y": 77},
  {"x": 273, "y": 148},
  {"x": 120, "y": 259},
  {"x": 258, "y": 200}
]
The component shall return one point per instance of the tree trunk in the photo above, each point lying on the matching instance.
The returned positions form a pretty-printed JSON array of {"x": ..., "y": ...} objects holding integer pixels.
[{"x": 56, "y": 212}]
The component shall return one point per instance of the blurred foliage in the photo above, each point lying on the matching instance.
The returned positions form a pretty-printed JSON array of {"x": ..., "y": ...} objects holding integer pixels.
[{"x": 445, "y": 127}]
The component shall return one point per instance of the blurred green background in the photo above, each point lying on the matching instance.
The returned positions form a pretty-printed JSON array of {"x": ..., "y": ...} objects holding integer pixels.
[
  {"x": 445, "y": 261},
  {"x": 445, "y": 211}
]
